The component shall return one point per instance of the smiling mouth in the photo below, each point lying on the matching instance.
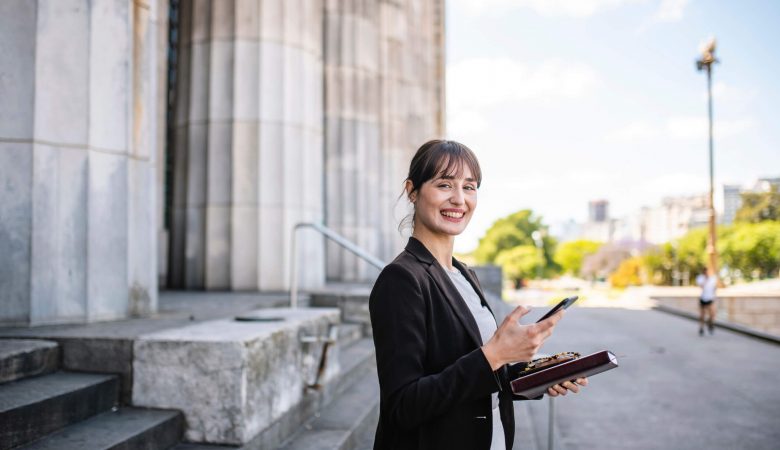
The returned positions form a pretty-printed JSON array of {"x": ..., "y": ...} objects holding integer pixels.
[{"x": 453, "y": 215}]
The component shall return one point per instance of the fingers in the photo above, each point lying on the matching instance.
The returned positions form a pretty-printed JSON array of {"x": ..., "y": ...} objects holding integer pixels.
[
  {"x": 566, "y": 386},
  {"x": 560, "y": 390},
  {"x": 571, "y": 386},
  {"x": 519, "y": 312}
]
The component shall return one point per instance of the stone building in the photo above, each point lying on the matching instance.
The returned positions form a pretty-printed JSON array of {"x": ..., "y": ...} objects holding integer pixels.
[{"x": 148, "y": 144}]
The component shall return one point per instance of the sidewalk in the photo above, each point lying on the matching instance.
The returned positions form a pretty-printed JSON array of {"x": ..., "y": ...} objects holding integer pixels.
[{"x": 673, "y": 389}]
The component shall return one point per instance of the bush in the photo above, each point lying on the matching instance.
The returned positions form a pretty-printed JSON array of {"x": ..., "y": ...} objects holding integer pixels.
[{"x": 628, "y": 273}]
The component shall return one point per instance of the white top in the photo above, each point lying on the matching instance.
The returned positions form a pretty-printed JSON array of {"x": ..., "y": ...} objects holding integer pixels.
[
  {"x": 487, "y": 328},
  {"x": 708, "y": 286}
]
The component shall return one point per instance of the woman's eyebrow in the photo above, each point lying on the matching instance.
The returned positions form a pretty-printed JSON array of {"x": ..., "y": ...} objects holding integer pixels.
[{"x": 450, "y": 177}]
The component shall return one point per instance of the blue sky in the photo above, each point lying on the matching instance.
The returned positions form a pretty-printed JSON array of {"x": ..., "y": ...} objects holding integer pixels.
[{"x": 565, "y": 101}]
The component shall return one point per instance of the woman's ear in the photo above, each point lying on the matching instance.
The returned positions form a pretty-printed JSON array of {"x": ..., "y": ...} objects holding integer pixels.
[{"x": 409, "y": 187}]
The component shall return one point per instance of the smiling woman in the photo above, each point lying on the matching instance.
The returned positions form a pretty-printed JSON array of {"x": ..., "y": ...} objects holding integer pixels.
[{"x": 442, "y": 361}]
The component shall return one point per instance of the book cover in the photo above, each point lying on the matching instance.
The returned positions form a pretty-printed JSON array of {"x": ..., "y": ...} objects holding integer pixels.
[{"x": 534, "y": 384}]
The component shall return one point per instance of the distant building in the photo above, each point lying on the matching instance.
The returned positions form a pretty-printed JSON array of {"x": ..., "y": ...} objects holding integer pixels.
[
  {"x": 732, "y": 196},
  {"x": 732, "y": 200},
  {"x": 598, "y": 211}
]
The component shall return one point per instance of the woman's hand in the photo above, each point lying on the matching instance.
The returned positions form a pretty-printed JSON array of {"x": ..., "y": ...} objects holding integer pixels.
[
  {"x": 561, "y": 389},
  {"x": 514, "y": 342}
]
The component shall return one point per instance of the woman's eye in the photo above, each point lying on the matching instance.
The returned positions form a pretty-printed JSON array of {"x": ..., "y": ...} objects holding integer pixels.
[
  {"x": 471, "y": 187},
  {"x": 444, "y": 185}
]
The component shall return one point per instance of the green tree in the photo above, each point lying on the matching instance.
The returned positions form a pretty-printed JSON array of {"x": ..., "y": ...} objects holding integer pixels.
[
  {"x": 521, "y": 262},
  {"x": 569, "y": 255},
  {"x": 511, "y": 231},
  {"x": 751, "y": 250},
  {"x": 759, "y": 206}
]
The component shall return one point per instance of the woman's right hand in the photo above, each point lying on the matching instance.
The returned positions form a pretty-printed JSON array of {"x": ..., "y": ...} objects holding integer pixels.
[{"x": 514, "y": 342}]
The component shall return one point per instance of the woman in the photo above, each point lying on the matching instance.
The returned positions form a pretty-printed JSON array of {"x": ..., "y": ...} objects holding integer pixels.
[{"x": 442, "y": 362}]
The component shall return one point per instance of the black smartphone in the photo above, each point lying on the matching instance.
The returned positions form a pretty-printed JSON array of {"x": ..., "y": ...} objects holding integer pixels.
[{"x": 565, "y": 303}]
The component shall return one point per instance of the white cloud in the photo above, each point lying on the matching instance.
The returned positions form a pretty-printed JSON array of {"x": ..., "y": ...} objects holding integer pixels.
[
  {"x": 635, "y": 131},
  {"x": 692, "y": 127},
  {"x": 486, "y": 82},
  {"x": 549, "y": 8},
  {"x": 681, "y": 128},
  {"x": 463, "y": 124},
  {"x": 670, "y": 11},
  {"x": 727, "y": 93}
]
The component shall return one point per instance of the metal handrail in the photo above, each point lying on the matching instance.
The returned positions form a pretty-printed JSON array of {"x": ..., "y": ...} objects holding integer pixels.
[{"x": 333, "y": 236}]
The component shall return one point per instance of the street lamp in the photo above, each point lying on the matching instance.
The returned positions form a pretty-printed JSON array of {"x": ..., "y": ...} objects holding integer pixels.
[
  {"x": 705, "y": 63},
  {"x": 537, "y": 236}
]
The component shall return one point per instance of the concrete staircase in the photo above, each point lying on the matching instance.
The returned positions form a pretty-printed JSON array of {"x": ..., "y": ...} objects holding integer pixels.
[
  {"x": 43, "y": 407},
  {"x": 67, "y": 387}
]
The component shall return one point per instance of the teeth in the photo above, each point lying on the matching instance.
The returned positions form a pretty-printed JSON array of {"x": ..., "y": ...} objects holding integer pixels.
[{"x": 454, "y": 215}]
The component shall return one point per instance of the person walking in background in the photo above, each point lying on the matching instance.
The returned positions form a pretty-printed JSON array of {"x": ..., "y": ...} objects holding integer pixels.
[{"x": 708, "y": 283}]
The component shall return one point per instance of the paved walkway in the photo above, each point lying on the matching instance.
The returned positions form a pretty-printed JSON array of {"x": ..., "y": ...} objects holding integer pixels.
[{"x": 673, "y": 389}]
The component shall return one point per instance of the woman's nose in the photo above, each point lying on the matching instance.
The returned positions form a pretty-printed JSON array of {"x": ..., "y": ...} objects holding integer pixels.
[{"x": 457, "y": 196}]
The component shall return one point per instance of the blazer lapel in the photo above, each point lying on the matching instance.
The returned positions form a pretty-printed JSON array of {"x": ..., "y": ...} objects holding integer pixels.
[{"x": 449, "y": 290}]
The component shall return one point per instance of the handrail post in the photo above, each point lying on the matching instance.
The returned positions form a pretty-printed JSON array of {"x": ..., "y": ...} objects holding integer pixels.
[{"x": 294, "y": 270}]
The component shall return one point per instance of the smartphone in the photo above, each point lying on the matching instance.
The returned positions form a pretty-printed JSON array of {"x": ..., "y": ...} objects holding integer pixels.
[{"x": 565, "y": 303}]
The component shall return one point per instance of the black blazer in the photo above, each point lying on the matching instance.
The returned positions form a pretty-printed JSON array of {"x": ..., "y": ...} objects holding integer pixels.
[{"x": 435, "y": 383}]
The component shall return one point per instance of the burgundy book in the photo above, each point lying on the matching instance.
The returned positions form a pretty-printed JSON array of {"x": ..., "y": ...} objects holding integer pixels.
[{"x": 546, "y": 372}]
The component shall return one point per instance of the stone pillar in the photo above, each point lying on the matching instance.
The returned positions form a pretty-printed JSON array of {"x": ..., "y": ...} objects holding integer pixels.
[
  {"x": 248, "y": 157},
  {"x": 78, "y": 134},
  {"x": 384, "y": 97},
  {"x": 352, "y": 132}
]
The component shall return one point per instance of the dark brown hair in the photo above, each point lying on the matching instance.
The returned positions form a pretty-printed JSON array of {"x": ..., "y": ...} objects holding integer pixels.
[{"x": 439, "y": 158}]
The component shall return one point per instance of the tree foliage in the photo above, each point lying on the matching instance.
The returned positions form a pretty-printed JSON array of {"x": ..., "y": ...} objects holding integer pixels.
[
  {"x": 759, "y": 206},
  {"x": 746, "y": 251},
  {"x": 569, "y": 255},
  {"x": 521, "y": 262},
  {"x": 510, "y": 232},
  {"x": 630, "y": 272},
  {"x": 606, "y": 260}
]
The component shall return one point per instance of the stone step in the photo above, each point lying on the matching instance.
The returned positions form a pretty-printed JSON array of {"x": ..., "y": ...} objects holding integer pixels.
[
  {"x": 349, "y": 333},
  {"x": 22, "y": 358},
  {"x": 125, "y": 428},
  {"x": 354, "y": 361},
  {"x": 34, "y": 407},
  {"x": 352, "y": 301},
  {"x": 357, "y": 363},
  {"x": 345, "y": 422}
]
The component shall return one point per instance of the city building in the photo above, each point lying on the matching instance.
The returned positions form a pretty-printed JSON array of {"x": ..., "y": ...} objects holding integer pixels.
[{"x": 732, "y": 195}]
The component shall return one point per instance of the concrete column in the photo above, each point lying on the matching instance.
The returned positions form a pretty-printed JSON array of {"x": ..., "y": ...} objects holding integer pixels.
[
  {"x": 77, "y": 150},
  {"x": 384, "y": 97},
  {"x": 352, "y": 124},
  {"x": 248, "y": 161}
]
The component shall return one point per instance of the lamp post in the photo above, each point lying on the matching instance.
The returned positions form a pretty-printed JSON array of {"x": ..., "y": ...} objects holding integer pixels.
[
  {"x": 705, "y": 64},
  {"x": 537, "y": 236}
]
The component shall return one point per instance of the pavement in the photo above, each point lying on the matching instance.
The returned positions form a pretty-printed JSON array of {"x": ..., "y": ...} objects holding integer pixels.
[{"x": 673, "y": 390}]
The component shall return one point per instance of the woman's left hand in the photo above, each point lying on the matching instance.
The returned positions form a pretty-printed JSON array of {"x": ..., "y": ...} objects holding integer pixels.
[{"x": 563, "y": 388}]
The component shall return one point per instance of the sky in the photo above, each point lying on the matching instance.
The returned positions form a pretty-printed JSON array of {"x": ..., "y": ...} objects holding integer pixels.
[{"x": 567, "y": 101}]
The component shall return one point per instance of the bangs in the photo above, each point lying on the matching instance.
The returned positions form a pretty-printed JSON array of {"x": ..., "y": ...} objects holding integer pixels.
[{"x": 446, "y": 159}]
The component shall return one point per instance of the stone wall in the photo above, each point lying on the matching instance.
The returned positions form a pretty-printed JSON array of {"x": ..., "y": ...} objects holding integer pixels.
[
  {"x": 79, "y": 130},
  {"x": 760, "y": 312}
]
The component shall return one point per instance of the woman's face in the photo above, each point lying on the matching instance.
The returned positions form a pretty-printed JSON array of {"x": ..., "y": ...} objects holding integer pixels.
[{"x": 444, "y": 205}]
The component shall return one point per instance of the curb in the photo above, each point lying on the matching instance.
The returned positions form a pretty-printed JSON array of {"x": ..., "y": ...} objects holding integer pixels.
[{"x": 723, "y": 324}]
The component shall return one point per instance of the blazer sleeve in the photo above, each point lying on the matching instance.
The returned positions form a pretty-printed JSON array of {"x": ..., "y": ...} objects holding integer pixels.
[{"x": 409, "y": 396}]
